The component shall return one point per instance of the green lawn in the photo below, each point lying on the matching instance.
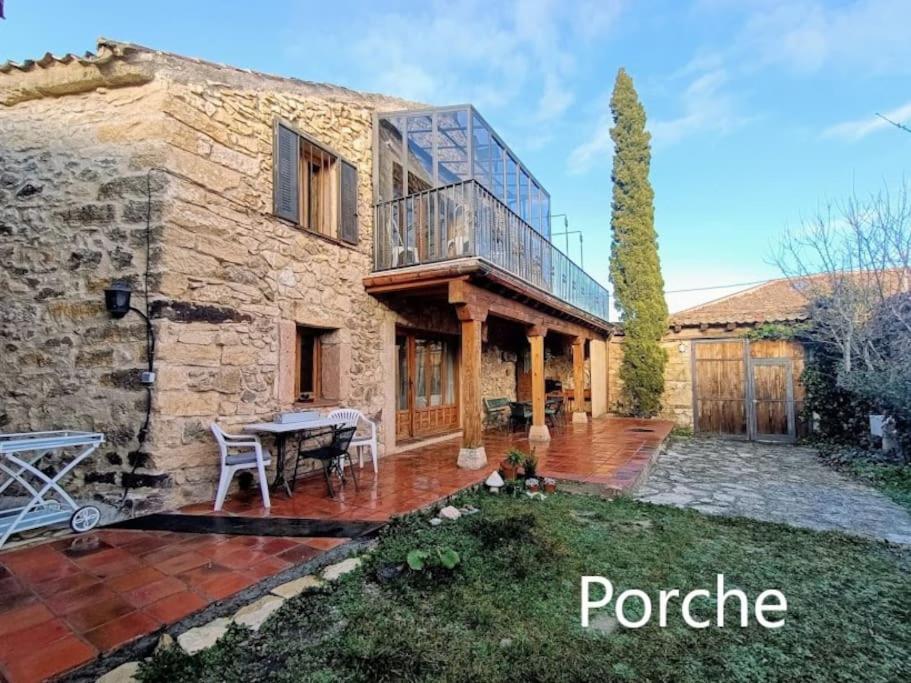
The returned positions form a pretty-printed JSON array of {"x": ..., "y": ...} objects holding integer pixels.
[
  {"x": 510, "y": 609},
  {"x": 893, "y": 479}
]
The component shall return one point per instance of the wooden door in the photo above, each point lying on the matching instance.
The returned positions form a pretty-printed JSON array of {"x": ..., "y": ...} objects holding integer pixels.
[
  {"x": 772, "y": 397},
  {"x": 746, "y": 389},
  {"x": 427, "y": 385},
  {"x": 720, "y": 387}
]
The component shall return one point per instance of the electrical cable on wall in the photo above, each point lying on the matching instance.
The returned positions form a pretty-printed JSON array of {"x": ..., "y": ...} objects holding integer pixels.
[{"x": 138, "y": 459}]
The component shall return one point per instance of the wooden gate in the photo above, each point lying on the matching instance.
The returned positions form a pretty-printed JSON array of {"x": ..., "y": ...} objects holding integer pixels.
[{"x": 747, "y": 389}]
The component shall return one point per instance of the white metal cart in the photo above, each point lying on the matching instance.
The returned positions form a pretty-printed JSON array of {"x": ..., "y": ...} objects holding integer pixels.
[{"x": 20, "y": 461}]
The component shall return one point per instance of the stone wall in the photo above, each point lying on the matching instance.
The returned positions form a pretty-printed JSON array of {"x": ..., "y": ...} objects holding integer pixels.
[
  {"x": 73, "y": 204},
  {"x": 223, "y": 248},
  {"x": 229, "y": 280},
  {"x": 677, "y": 400},
  {"x": 498, "y": 376}
]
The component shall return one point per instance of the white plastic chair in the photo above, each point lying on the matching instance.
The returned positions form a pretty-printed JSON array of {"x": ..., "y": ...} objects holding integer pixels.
[
  {"x": 240, "y": 452},
  {"x": 352, "y": 417}
]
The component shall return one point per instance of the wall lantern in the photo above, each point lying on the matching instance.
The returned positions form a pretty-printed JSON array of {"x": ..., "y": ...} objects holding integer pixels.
[
  {"x": 681, "y": 347},
  {"x": 117, "y": 303},
  {"x": 117, "y": 299}
]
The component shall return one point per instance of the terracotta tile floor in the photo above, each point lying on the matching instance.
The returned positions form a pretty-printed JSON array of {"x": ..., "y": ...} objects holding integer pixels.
[
  {"x": 65, "y": 602},
  {"x": 609, "y": 453}
]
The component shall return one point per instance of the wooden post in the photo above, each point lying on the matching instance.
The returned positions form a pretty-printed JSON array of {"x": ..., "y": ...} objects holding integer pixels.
[
  {"x": 597, "y": 351},
  {"x": 579, "y": 414},
  {"x": 538, "y": 431},
  {"x": 472, "y": 454}
]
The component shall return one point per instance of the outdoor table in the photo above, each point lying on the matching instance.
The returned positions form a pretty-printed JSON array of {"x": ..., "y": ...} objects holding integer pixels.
[
  {"x": 20, "y": 459},
  {"x": 281, "y": 431}
]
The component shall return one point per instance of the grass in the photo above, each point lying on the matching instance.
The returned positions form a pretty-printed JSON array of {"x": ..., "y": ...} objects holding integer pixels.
[
  {"x": 892, "y": 478},
  {"x": 510, "y": 609}
]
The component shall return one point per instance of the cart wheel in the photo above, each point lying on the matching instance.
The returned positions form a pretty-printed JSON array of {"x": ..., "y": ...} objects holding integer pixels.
[{"x": 85, "y": 518}]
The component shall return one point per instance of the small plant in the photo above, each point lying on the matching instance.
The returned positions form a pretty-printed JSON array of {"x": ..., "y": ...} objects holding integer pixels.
[
  {"x": 445, "y": 558},
  {"x": 510, "y": 464},
  {"x": 550, "y": 485},
  {"x": 681, "y": 432},
  {"x": 532, "y": 485},
  {"x": 530, "y": 465},
  {"x": 515, "y": 457}
]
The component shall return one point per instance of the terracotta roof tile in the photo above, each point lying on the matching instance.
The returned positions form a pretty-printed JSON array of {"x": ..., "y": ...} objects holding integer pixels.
[
  {"x": 774, "y": 301},
  {"x": 780, "y": 300}
]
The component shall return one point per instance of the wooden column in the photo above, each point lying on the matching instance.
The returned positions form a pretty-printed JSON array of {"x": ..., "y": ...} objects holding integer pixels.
[
  {"x": 597, "y": 352},
  {"x": 538, "y": 431},
  {"x": 472, "y": 454},
  {"x": 579, "y": 414}
]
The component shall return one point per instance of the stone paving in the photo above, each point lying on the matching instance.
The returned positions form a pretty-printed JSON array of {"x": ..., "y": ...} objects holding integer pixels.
[{"x": 771, "y": 482}]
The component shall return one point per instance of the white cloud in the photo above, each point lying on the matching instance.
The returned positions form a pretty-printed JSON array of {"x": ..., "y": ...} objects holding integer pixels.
[
  {"x": 805, "y": 36},
  {"x": 861, "y": 128},
  {"x": 598, "y": 146},
  {"x": 490, "y": 54},
  {"x": 706, "y": 106}
]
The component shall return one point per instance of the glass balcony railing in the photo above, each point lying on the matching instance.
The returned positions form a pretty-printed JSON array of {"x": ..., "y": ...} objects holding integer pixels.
[{"x": 466, "y": 220}]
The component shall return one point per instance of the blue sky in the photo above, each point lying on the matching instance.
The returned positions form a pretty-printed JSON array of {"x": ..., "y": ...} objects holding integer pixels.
[{"x": 761, "y": 111}]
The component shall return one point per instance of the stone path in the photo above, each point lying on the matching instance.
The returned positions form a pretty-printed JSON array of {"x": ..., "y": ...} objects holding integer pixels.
[{"x": 776, "y": 483}]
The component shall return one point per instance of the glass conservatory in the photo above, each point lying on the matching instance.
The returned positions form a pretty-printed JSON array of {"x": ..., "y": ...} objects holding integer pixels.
[
  {"x": 447, "y": 187},
  {"x": 422, "y": 150}
]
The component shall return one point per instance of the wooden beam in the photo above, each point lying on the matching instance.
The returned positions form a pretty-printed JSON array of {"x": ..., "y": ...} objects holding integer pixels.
[
  {"x": 538, "y": 431},
  {"x": 462, "y": 292},
  {"x": 512, "y": 287},
  {"x": 470, "y": 369},
  {"x": 579, "y": 414}
]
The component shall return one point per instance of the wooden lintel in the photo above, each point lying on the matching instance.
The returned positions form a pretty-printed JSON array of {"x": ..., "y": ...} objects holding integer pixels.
[
  {"x": 464, "y": 293},
  {"x": 471, "y": 311},
  {"x": 507, "y": 289}
]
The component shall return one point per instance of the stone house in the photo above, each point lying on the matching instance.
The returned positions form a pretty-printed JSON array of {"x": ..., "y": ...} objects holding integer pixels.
[
  {"x": 718, "y": 380},
  {"x": 295, "y": 245}
]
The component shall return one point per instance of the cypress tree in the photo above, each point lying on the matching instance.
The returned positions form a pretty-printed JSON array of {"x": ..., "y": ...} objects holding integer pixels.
[{"x": 635, "y": 270}]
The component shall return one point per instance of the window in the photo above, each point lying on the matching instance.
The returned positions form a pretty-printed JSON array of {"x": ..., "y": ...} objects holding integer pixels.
[
  {"x": 314, "y": 187},
  {"x": 308, "y": 374},
  {"x": 319, "y": 189}
]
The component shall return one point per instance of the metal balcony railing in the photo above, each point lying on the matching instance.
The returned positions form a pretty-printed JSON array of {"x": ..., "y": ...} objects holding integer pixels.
[{"x": 465, "y": 220}]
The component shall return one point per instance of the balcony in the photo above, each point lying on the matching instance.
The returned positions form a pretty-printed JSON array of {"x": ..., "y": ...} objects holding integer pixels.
[{"x": 466, "y": 221}]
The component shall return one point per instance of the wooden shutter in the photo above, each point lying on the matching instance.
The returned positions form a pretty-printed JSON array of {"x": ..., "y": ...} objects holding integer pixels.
[
  {"x": 348, "y": 225},
  {"x": 286, "y": 174}
]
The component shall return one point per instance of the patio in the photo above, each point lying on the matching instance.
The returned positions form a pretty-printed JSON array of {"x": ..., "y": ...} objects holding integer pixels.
[
  {"x": 607, "y": 455},
  {"x": 65, "y": 602}
]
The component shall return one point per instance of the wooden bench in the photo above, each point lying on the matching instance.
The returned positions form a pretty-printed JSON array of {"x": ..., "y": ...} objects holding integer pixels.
[{"x": 496, "y": 412}]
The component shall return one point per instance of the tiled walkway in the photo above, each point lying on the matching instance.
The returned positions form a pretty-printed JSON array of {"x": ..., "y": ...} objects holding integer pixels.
[{"x": 64, "y": 602}]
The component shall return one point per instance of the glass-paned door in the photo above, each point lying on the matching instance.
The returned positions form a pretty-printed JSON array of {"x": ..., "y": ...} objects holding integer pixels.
[{"x": 427, "y": 385}]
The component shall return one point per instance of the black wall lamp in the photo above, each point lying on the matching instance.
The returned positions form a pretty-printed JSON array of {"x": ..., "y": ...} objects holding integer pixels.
[{"x": 117, "y": 303}]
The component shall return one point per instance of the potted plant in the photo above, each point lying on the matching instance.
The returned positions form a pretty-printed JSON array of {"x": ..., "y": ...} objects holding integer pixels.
[
  {"x": 530, "y": 465},
  {"x": 550, "y": 485},
  {"x": 532, "y": 485},
  {"x": 510, "y": 464}
]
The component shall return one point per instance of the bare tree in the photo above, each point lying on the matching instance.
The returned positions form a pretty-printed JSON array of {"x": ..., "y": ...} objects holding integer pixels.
[{"x": 852, "y": 261}]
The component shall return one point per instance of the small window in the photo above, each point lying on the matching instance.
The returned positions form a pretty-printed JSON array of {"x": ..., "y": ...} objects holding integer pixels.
[
  {"x": 308, "y": 387},
  {"x": 313, "y": 187}
]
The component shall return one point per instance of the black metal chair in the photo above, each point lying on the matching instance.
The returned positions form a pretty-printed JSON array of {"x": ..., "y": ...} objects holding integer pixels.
[
  {"x": 519, "y": 414},
  {"x": 332, "y": 456},
  {"x": 557, "y": 408}
]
